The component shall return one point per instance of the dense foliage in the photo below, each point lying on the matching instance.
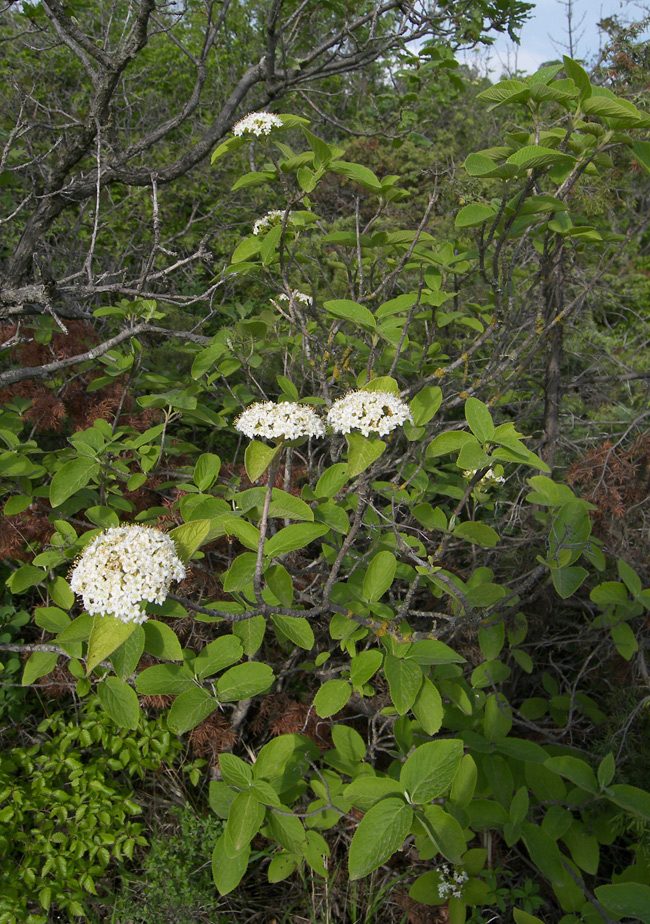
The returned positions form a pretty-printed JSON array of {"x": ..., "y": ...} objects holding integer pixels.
[{"x": 391, "y": 416}]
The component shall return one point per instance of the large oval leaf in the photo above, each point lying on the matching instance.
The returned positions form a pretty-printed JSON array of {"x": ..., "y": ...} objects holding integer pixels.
[{"x": 381, "y": 832}]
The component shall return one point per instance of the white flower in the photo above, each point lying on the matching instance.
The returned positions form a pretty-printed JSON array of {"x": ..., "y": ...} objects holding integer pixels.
[
  {"x": 298, "y": 296},
  {"x": 490, "y": 478},
  {"x": 121, "y": 567},
  {"x": 257, "y": 123},
  {"x": 451, "y": 882},
  {"x": 368, "y": 411},
  {"x": 286, "y": 420},
  {"x": 268, "y": 221}
]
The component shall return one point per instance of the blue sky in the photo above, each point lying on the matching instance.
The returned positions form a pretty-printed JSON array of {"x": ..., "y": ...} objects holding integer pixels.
[{"x": 549, "y": 22}]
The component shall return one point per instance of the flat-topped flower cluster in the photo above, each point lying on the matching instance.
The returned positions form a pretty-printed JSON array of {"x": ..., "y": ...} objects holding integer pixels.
[
  {"x": 368, "y": 411},
  {"x": 123, "y": 566},
  {"x": 286, "y": 420},
  {"x": 270, "y": 220},
  {"x": 257, "y": 123}
]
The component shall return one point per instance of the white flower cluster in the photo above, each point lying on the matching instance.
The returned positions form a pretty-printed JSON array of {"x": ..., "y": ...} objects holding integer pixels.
[
  {"x": 451, "y": 882},
  {"x": 298, "y": 296},
  {"x": 489, "y": 479},
  {"x": 257, "y": 123},
  {"x": 284, "y": 421},
  {"x": 268, "y": 221},
  {"x": 121, "y": 567},
  {"x": 368, "y": 411}
]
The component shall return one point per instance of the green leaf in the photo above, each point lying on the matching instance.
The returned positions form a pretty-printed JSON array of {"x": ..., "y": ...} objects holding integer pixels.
[
  {"x": 278, "y": 754},
  {"x": 332, "y": 697},
  {"x": 464, "y": 783},
  {"x": 296, "y": 629},
  {"x": 25, "y": 577},
  {"x": 449, "y": 442},
  {"x": 228, "y": 871},
  {"x": 164, "y": 679},
  {"x": 245, "y": 819},
  {"x": 532, "y": 156},
  {"x": 289, "y": 507},
  {"x": 206, "y": 470},
  {"x": 287, "y": 830},
  {"x": 364, "y": 666},
  {"x": 631, "y": 799},
  {"x": 280, "y": 583},
  {"x": 68, "y": 480},
  {"x": 641, "y": 152},
  {"x": 235, "y": 771},
  {"x": 217, "y": 655},
  {"x": 244, "y": 681},
  {"x": 358, "y": 173},
  {"x": 444, "y": 831},
  {"x": 491, "y": 640},
  {"x": 480, "y": 165},
  {"x": 17, "y": 504},
  {"x": 431, "y": 651},
  {"x": 362, "y": 452},
  {"x": 379, "y": 576},
  {"x": 427, "y": 707},
  {"x": 629, "y": 576},
  {"x": 107, "y": 634},
  {"x": 381, "y": 832},
  {"x": 245, "y": 532},
  {"x": 575, "y": 770},
  {"x": 567, "y": 580},
  {"x": 430, "y": 769},
  {"x": 544, "y": 853},
  {"x": 38, "y": 665},
  {"x": 366, "y": 791},
  {"x": 254, "y": 178},
  {"x": 624, "y": 639},
  {"x": 629, "y": 899},
  {"x": 189, "y": 709},
  {"x": 332, "y": 480},
  {"x": 207, "y": 359},
  {"x": 504, "y": 92},
  {"x": 477, "y": 533},
  {"x": 293, "y": 537},
  {"x": 51, "y": 618},
  {"x": 240, "y": 573},
  {"x": 250, "y": 633},
  {"x": 606, "y": 770},
  {"x": 425, "y": 404},
  {"x": 349, "y": 743},
  {"x": 404, "y": 680},
  {"x": 120, "y": 701},
  {"x": 125, "y": 659},
  {"x": 579, "y": 76},
  {"x": 188, "y": 537},
  {"x": 479, "y": 419},
  {"x": 351, "y": 311},
  {"x": 471, "y": 216},
  {"x": 606, "y": 107},
  {"x": 522, "y": 917},
  {"x": 258, "y": 457},
  {"x": 161, "y": 641}
]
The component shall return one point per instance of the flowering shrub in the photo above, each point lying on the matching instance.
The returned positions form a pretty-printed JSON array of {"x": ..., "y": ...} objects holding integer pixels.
[{"x": 369, "y": 568}]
